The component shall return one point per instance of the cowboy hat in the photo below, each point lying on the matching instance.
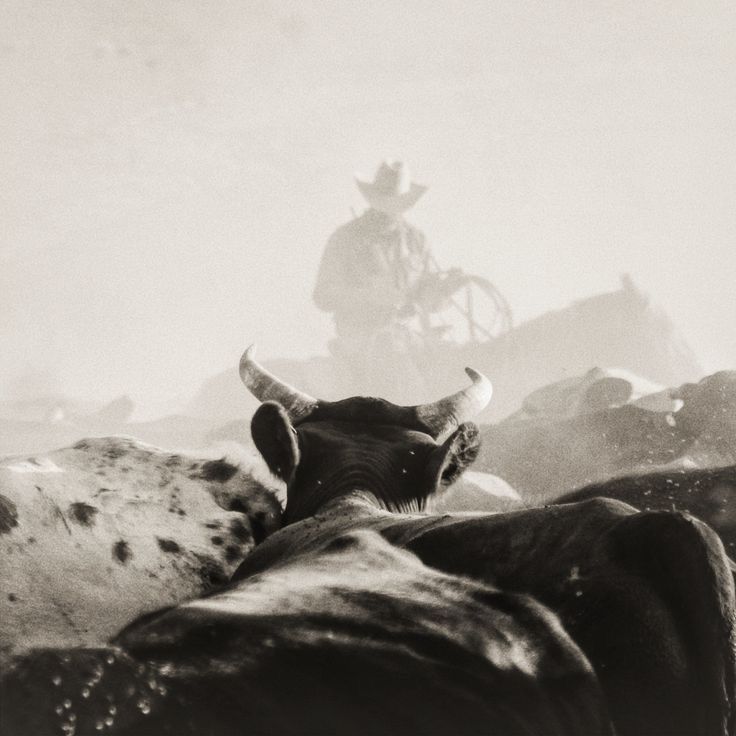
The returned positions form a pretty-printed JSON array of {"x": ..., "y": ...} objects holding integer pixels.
[{"x": 392, "y": 191}]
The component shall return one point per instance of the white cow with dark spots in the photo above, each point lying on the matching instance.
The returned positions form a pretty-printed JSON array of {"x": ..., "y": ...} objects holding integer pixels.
[{"x": 95, "y": 534}]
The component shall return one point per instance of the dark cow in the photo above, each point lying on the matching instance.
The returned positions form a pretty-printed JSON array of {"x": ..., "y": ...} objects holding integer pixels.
[
  {"x": 709, "y": 414},
  {"x": 545, "y": 457},
  {"x": 357, "y": 638},
  {"x": 364, "y": 614},
  {"x": 709, "y": 494},
  {"x": 624, "y": 584}
]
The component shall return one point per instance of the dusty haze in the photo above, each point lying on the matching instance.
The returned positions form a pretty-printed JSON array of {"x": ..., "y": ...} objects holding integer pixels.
[{"x": 172, "y": 169}]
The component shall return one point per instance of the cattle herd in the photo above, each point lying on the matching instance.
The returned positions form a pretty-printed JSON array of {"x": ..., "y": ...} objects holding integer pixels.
[{"x": 388, "y": 592}]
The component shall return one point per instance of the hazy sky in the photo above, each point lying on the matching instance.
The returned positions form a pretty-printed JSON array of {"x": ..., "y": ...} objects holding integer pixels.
[{"x": 173, "y": 168}]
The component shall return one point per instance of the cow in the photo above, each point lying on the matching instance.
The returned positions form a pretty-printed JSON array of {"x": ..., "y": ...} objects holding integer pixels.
[
  {"x": 639, "y": 604},
  {"x": 706, "y": 493},
  {"x": 95, "y": 534},
  {"x": 544, "y": 457},
  {"x": 595, "y": 390},
  {"x": 615, "y": 577},
  {"x": 709, "y": 413},
  {"x": 357, "y": 637}
]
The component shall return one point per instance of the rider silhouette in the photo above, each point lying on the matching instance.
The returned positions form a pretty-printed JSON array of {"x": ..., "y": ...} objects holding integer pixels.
[{"x": 375, "y": 266}]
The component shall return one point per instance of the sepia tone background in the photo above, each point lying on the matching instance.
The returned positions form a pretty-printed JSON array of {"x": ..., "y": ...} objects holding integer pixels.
[{"x": 173, "y": 169}]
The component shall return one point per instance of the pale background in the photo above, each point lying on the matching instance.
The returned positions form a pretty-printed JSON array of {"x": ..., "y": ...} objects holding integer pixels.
[{"x": 172, "y": 169}]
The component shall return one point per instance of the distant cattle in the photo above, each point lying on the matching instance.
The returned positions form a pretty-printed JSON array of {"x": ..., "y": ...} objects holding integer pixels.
[
  {"x": 579, "y": 618},
  {"x": 543, "y": 458},
  {"x": 174, "y": 431},
  {"x": 595, "y": 390},
  {"x": 709, "y": 494},
  {"x": 709, "y": 414},
  {"x": 98, "y": 533}
]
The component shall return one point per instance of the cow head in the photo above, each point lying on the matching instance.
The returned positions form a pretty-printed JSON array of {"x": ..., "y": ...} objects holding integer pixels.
[{"x": 324, "y": 450}]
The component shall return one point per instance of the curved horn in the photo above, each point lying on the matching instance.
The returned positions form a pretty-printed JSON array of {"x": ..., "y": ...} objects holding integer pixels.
[
  {"x": 453, "y": 410},
  {"x": 266, "y": 387}
]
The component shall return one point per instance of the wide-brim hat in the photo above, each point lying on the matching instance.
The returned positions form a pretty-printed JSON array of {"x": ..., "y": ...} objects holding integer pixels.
[{"x": 392, "y": 190}]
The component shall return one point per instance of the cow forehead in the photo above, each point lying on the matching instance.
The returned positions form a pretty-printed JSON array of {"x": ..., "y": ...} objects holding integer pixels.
[
  {"x": 347, "y": 434},
  {"x": 367, "y": 410}
]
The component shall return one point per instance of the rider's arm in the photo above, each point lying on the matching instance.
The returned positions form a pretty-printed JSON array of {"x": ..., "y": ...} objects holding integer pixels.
[{"x": 348, "y": 277}]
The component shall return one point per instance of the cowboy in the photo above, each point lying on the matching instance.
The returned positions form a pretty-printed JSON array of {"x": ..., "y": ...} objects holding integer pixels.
[{"x": 373, "y": 267}]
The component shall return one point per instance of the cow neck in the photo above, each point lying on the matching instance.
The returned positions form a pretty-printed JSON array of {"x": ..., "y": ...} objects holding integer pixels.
[
  {"x": 358, "y": 510},
  {"x": 354, "y": 503},
  {"x": 351, "y": 502}
]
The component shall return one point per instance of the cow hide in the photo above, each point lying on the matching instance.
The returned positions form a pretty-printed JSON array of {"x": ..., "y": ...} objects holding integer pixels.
[{"x": 93, "y": 535}]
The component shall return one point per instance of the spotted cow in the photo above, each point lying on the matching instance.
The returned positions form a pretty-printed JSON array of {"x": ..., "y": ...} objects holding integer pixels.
[{"x": 95, "y": 534}]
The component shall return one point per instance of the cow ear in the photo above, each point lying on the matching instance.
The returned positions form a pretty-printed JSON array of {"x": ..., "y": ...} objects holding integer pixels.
[
  {"x": 450, "y": 459},
  {"x": 276, "y": 439}
]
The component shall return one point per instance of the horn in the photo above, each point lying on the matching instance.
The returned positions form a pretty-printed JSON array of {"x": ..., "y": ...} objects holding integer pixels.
[
  {"x": 453, "y": 410},
  {"x": 266, "y": 387}
]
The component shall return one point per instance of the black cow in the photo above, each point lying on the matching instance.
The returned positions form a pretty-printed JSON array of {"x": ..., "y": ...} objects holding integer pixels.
[
  {"x": 357, "y": 638},
  {"x": 634, "y": 590},
  {"x": 709, "y": 494}
]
